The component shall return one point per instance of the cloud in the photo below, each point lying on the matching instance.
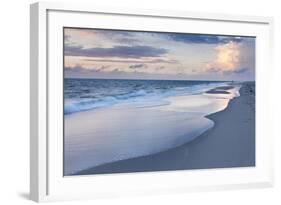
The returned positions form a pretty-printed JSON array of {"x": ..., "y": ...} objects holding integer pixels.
[
  {"x": 101, "y": 35},
  {"x": 81, "y": 69},
  {"x": 93, "y": 72},
  {"x": 112, "y": 33},
  {"x": 160, "y": 68},
  {"x": 241, "y": 70},
  {"x": 226, "y": 72},
  {"x": 115, "y": 73},
  {"x": 137, "y": 66},
  {"x": 81, "y": 72},
  {"x": 140, "y": 54},
  {"x": 233, "y": 58},
  {"x": 227, "y": 58},
  {"x": 115, "y": 51},
  {"x": 124, "y": 37},
  {"x": 203, "y": 39},
  {"x": 67, "y": 38},
  {"x": 157, "y": 60}
]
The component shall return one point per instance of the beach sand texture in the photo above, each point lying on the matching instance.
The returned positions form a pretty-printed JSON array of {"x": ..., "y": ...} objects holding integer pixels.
[{"x": 223, "y": 139}]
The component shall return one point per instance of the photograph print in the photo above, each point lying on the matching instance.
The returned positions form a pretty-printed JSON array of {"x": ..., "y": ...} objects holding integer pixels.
[{"x": 146, "y": 101}]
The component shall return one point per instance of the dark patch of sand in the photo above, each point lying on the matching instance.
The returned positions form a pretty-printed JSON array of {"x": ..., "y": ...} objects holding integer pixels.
[
  {"x": 220, "y": 90},
  {"x": 217, "y": 92}
]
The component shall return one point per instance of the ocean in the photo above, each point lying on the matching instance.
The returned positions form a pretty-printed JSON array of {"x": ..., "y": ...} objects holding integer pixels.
[{"x": 86, "y": 94}]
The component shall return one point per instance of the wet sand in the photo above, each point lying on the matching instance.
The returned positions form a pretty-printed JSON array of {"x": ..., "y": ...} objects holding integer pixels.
[{"x": 230, "y": 143}]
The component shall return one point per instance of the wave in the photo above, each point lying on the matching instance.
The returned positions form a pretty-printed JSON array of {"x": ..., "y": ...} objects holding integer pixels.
[{"x": 145, "y": 97}]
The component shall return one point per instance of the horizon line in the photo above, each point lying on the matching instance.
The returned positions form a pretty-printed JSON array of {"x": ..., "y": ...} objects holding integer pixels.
[{"x": 157, "y": 79}]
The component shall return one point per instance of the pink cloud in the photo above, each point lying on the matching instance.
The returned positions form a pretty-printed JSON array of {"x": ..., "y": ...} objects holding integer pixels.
[{"x": 227, "y": 58}]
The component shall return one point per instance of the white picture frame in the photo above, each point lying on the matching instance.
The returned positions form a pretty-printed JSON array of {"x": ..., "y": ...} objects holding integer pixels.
[{"x": 46, "y": 180}]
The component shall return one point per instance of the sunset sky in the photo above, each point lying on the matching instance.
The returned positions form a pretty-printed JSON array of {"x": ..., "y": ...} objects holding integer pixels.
[{"x": 92, "y": 53}]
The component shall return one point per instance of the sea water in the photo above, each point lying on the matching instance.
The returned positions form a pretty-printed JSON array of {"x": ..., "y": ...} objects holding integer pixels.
[{"x": 86, "y": 94}]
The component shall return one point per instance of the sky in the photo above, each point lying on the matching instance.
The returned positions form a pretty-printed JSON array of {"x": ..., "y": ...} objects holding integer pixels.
[{"x": 115, "y": 54}]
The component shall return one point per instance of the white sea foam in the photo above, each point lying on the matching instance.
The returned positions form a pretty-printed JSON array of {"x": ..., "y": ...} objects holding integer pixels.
[{"x": 88, "y": 102}]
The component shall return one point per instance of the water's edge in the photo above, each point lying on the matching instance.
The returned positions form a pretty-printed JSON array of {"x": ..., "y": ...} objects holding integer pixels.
[{"x": 193, "y": 135}]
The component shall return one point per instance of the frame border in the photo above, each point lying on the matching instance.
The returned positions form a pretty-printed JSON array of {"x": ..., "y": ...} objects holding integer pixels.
[{"x": 39, "y": 188}]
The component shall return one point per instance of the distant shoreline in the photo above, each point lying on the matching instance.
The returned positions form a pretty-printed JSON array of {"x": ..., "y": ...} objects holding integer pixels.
[{"x": 210, "y": 150}]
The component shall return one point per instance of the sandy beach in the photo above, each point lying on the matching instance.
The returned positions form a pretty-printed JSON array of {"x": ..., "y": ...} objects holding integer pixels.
[{"x": 230, "y": 142}]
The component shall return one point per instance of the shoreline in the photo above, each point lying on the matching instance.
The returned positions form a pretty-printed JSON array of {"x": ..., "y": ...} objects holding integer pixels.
[
  {"x": 112, "y": 134},
  {"x": 218, "y": 147}
]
